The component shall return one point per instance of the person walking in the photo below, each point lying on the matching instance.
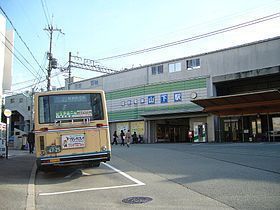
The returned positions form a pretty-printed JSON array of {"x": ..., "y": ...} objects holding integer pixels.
[
  {"x": 31, "y": 141},
  {"x": 127, "y": 138},
  {"x": 115, "y": 136},
  {"x": 122, "y": 137}
]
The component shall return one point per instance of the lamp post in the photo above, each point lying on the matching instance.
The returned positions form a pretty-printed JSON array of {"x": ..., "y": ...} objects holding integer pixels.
[{"x": 8, "y": 114}]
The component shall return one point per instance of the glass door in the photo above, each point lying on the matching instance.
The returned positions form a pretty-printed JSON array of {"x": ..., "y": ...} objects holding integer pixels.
[
  {"x": 256, "y": 125},
  {"x": 231, "y": 130}
]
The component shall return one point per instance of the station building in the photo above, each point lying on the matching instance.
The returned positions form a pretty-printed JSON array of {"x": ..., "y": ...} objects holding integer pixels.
[{"x": 228, "y": 95}]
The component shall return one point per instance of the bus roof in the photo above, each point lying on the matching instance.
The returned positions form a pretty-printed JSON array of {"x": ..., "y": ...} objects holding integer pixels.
[{"x": 59, "y": 92}]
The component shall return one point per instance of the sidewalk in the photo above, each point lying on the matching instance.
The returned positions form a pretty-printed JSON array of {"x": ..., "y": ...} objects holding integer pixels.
[{"x": 14, "y": 178}]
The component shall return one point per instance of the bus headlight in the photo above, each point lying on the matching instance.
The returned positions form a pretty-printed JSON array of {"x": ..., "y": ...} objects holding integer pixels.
[{"x": 103, "y": 148}]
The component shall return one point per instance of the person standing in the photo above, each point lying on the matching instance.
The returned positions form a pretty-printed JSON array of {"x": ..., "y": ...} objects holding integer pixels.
[
  {"x": 134, "y": 138},
  {"x": 31, "y": 141},
  {"x": 115, "y": 136},
  {"x": 127, "y": 138},
  {"x": 122, "y": 137}
]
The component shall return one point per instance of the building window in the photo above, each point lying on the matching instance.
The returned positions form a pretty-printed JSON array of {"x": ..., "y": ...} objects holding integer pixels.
[
  {"x": 174, "y": 67},
  {"x": 157, "y": 70},
  {"x": 78, "y": 85},
  {"x": 193, "y": 64},
  {"x": 20, "y": 100},
  {"x": 12, "y": 100},
  {"x": 94, "y": 83},
  {"x": 28, "y": 108},
  {"x": 154, "y": 70}
]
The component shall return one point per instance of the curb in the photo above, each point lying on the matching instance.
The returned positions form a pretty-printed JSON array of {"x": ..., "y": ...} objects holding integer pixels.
[{"x": 30, "y": 200}]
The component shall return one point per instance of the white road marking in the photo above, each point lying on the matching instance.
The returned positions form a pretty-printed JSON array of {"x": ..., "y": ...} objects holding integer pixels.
[
  {"x": 124, "y": 174},
  {"x": 138, "y": 183},
  {"x": 90, "y": 189}
]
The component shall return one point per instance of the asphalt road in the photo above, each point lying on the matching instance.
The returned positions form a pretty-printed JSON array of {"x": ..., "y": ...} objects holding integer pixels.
[{"x": 172, "y": 176}]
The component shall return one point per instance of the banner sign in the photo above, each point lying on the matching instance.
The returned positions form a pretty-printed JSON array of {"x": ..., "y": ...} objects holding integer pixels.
[{"x": 73, "y": 141}]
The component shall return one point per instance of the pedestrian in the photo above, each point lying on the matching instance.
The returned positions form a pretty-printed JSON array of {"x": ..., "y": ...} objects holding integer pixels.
[
  {"x": 115, "y": 136},
  {"x": 134, "y": 138},
  {"x": 127, "y": 138},
  {"x": 140, "y": 139},
  {"x": 122, "y": 137},
  {"x": 31, "y": 141}
]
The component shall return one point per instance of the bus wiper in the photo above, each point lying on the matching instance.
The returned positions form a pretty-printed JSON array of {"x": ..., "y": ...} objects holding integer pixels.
[{"x": 68, "y": 121}]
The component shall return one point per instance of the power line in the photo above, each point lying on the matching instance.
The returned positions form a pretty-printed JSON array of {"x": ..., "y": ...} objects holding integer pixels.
[
  {"x": 19, "y": 53},
  {"x": 39, "y": 82},
  {"x": 21, "y": 38},
  {"x": 47, "y": 10},
  {"x": 19, "y": 59},
  {"x": 45, "y": 13},
  {"x": 43, "y": 63},
  {"x": 20, "y": 83},
  {"x": 212, "y": 33}
]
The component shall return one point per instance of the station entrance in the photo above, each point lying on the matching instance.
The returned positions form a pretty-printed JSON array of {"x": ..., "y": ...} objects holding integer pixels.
[
  {"x": 172, "y": 130},
  {"x": 248, "y": 117},
  {"x": 250, "y": 128}
]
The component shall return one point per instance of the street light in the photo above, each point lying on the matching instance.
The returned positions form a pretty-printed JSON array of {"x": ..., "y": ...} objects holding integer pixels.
[{"x": 8, "y": 114}]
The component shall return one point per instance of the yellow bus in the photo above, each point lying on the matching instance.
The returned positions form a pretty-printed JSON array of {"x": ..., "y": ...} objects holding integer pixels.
[{"x": 71, "y": 128}]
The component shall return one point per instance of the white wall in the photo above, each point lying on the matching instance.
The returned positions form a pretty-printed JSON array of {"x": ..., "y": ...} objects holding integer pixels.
[
  {"x": 8, "y": 61},
  {"x": 21, "y": 107},
  {"x": 248, "y": 57},
  {"x": 2, "y": 54}
]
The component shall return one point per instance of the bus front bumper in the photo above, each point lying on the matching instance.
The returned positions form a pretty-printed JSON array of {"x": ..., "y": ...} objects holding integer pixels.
[{"x": 73, "y": 159}]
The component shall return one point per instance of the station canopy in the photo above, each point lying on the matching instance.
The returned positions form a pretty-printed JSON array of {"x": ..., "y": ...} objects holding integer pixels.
[{"x": 242, "y": 104}]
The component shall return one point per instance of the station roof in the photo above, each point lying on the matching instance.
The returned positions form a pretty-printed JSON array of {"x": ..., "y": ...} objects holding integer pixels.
[{"x": 241, "y": 104}]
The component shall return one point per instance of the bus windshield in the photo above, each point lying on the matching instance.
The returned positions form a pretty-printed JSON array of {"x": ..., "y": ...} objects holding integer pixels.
[{"x": 70, "y": 106}]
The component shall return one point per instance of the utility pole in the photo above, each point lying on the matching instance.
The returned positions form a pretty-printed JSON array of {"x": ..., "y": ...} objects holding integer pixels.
[
  {"x": 69, "y": 72},
  {"x": 50, "y": 29},
  {"x": 31, "y": 110}
]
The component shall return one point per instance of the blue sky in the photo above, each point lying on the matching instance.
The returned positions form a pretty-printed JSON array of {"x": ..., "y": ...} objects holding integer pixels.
[{"x": 100, "y": 28}]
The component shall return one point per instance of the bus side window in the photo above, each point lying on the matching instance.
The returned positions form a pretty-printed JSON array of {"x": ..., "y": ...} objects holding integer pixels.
[{"x": 97, "y": 111}]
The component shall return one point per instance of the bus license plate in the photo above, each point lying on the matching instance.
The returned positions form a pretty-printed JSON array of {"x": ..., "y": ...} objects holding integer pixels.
[
  {"x": 55, "y": 160},
  {"x": 54, "y": 149}
]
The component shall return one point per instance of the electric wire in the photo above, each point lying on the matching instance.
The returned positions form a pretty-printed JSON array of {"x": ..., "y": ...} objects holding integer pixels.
[
  {"x": 45, "y": 13},
  {"x": 20, "y": 5},
  {"x": 217, "y": 21},
  {"x": 23, "y": 82},
  {"x": 41, "y": 81},
  {"x": 48, "y": 13},
  {"x": 43, "y": 64},
  {"x": 19, "y": 53},
  {"x": 19, "y": 59},
  {"x": 20, "y": 37},
  {"x": 212, "y": 33}
]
